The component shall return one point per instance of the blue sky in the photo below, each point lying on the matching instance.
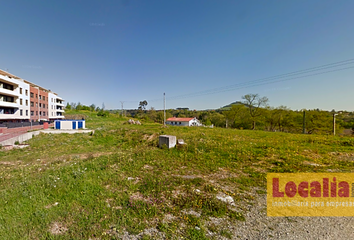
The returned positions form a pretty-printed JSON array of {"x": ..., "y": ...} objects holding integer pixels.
[{"x": 107, "y": 51}]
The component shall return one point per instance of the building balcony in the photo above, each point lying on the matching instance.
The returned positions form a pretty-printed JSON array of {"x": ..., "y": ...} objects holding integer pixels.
[
  {"x": 59, "y": 110},
  {"x": 8, "y": 80},
  {"x": 8, "y": 92},
  {"x": 57, "y": 117},
  {"x": 12, "y": 117},
  {"x": 60, "y": 104},
  {"x": 8, "y": 104}
]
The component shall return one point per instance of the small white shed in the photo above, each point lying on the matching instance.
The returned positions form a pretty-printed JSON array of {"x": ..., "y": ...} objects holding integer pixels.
[{"x": 69, "y": 124}]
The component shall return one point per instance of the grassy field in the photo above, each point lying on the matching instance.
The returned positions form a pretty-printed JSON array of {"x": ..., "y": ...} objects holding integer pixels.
[{"x": 117, "y": 182}]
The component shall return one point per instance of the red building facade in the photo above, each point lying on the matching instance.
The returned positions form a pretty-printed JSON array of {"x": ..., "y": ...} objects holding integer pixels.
[{"x": 38, "y": 104}]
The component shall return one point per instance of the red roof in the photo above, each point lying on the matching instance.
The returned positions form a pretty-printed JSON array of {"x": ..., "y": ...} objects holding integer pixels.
[{"x": 174, "y": 119}]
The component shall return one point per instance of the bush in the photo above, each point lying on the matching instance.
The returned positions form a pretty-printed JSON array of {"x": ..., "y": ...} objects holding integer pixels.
[{"x": 102, "y": 113}]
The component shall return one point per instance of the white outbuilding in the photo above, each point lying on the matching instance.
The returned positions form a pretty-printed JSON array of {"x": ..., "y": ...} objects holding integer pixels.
[{"x": 183, "y": 121}]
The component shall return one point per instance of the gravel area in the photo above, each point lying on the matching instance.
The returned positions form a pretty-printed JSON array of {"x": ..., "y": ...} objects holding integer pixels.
[{"x": 259, "y": 226}]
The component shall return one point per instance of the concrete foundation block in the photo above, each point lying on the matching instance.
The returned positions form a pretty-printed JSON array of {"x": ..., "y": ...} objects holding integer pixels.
[{"x": 168, "y": 140}]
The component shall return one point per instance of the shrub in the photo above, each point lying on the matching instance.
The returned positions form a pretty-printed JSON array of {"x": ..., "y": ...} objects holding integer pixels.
[{"x": 103, "y": 113}]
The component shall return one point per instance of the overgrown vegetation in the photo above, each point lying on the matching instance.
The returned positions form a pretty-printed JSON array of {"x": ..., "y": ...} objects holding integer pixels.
[
  {"x": 117, "y": 181},
  {"x": 253, "y": 113}
]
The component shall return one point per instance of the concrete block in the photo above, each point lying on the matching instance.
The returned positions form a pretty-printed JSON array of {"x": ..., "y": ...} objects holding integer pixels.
[
  {"x": 181, "y": 144},
  {"x": 168, "y": 140}
]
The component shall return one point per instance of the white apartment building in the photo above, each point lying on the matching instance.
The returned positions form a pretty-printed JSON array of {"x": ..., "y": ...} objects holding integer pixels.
[
  {"x": 14, "y": 98},
  {"x": 56, "y": 106},
  {"x": 22, "y": 101}
]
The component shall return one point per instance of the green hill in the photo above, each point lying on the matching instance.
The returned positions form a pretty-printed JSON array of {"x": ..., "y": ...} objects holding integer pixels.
[{"x": 227, "y": 107}]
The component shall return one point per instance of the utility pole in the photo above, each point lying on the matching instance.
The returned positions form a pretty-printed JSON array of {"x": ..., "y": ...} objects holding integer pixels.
[
  {"x": 304, "y": 123},
  {"x": 164, "y": 109},
  {"x": 334, "y": 122},
  {"x": 122, "y": 102}
]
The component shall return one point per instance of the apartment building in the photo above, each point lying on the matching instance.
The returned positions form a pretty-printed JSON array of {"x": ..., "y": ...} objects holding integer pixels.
[
  {"x": 56, "y": 106},
  {"x": 23, "y": 101}
]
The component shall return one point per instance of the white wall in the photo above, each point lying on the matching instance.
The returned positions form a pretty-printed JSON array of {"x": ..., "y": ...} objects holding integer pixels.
[
  {"x": 52, "y": 98},
  {"x": 24, "y": 97},
  {"x": 178, "y": 123},
  {"x": 194, "y": 122}
]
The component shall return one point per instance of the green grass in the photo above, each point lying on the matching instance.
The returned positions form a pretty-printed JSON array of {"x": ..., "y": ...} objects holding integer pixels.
[{"x": 117, "y": 180}]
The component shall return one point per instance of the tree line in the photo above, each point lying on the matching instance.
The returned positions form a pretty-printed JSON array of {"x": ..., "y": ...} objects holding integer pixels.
[{"x": 253, "y": 112}]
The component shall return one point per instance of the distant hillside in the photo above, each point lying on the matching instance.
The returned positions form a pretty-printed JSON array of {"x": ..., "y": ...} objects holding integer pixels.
[{"x": 227, "y": 107}]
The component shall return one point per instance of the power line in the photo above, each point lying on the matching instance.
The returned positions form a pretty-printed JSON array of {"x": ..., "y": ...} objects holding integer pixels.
[
  {"x": 256, "y": 84},
  {"x": 268, "y": 80}
]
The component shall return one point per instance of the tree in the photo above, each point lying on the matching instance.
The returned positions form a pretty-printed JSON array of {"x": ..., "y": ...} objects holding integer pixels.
[
  {"x": 217, "y": 119},
  {"x": 73, "y": 105},
  {"x": 92, "y": 107},
  {"x": 235, "y": 112},
  {"x": 78, "y": 106},
  {"x": 152, "y": 114},
  {"x": 68, "y": 106},
  {"x": 318, "y": 121},
  {"x": 159, "y": 117},
  {"x": 254, "y": 102},
  {"x": 142, "y": 105}
]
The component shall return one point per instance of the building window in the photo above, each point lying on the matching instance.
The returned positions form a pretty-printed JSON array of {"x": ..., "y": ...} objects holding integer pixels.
[
  {"x": 26, "y": 112},
  {"x": 32, "y": 104},
  {"x": 26, "y": 102},
  {"x": 40, "y": 113},
  {"x": 36, "y": 113},
  {"x": 20, "y": 90},
  {"x": 20, "y": 112},
  {"x": 40, "y": 104},
  {"x": 179, "y": 123},
  {"x": 31, "y": 94},
  {"x": 26, "y": 92},
  {"x": 43, "y": 98},
  {"x": 36, "y": 95},
  {"x": 40, "y": 97},
  {"x": 36, "y": 105},
  {"x": 20, "y": 101},
  {"x": 32, "y": 113},
  {"x": 43, "y": 105},
  {"x": 43, "y": 113}
]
